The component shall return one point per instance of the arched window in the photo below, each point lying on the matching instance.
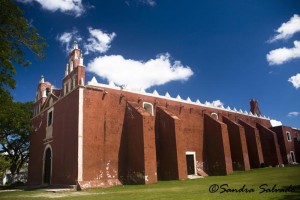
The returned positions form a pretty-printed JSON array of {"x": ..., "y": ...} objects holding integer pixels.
[
  {"x": 214, "y": 115},
  {"x": 149, "y": 107}
]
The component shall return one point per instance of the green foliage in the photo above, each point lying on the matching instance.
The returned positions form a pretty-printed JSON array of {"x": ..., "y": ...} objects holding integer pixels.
[
  {"x": 15, "y": 128},
  {"x": 4, "y": 165},
  {"x": 15, "y": 34}
]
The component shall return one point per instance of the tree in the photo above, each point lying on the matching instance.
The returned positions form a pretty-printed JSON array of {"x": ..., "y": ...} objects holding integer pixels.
[
  {"x": 15, "y": 34},
  {"x": 15, "y": 128}
]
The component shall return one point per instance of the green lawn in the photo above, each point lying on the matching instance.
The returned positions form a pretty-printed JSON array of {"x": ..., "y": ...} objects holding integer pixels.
[{"x": 189, "y": 189}]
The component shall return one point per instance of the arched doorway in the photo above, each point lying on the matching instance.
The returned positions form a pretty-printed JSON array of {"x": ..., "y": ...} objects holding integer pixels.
[{"x": 47, "y": 166}]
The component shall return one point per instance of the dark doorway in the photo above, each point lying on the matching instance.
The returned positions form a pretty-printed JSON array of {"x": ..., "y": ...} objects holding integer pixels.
[
  {"x": 47, "y": 166},
  {"x": 190, "y": 164}
]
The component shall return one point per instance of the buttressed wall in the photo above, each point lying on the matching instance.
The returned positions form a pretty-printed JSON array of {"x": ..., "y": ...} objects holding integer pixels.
[{"x": 99, "y": 135}]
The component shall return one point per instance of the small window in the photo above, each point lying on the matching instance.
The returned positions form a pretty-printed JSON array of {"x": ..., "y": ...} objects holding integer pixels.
[
  {"x": 50, "y": 118},
  {"x": 288, "y": 136},
  {"x": 215, "y": 116},
  {"x": 149, "y": 107}
]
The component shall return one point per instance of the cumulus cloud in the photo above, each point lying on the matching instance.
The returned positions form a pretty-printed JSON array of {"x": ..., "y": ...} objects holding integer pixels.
[
  {"x": 138, "y": 75},
  {"x": 98, "y": 41},
  {"x": 287, "y": 29},
  {"x": 67, "y": 38},
  {"x": 73, "y": 7},
  {"x": 293, "y": 114},
  {"x": 275, "y": 123},
  {"x": 282, "y": 55},
  {"x": 216, "y": 103},
  {"x": 295, "y": 80}
]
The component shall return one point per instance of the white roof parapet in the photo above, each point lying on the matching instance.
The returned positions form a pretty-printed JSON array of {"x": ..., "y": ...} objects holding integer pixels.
[
  {"x": 168, "y": 95},
  {"x": 93, "y": 81},
  {"x": 155, "y": 93},
  {"x": 112, "y": 84},
  {"x": 207, "y": 103},
  {"x": 178, "y": 97}
]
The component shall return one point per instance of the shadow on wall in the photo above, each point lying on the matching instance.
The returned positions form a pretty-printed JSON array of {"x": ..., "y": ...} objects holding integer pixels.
[{"x": 122, "y": 167}]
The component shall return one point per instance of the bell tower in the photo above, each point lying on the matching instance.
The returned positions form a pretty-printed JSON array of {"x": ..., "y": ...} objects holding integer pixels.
[
  {"x": 75, "y": 71},
  {"x": 43, "y": 89}
]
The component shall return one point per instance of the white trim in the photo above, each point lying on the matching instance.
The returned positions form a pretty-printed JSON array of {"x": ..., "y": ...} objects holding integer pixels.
[
  {"x": 43, "y": 170},
  {"x": 194, "y": 154},
  {"x": 80, "y": 135}
]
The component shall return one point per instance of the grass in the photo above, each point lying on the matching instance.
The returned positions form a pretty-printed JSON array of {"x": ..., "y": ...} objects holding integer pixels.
[{"x": 282, "y": 178}]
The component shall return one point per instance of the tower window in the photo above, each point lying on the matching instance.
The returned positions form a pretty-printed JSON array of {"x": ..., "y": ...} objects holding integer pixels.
[
  {"x": 47, "y": 91},
  {"x": 148, "y": 107},
  {"x": 288, "y": 136}
]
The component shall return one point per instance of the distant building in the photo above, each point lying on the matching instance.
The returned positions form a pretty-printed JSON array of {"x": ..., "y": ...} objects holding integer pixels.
[
  {"x": 97, "y": 135},
  {"x": 8, "y": 178}
]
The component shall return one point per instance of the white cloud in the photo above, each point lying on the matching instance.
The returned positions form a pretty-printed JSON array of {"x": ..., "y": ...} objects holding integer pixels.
[
  {"x": 73, "y": 7},
  {"x": 295, "y": 80},
  {"x": 137, "y": 75},
  {"x": 288, "y": 29},
  {"x": 293, "y": 114},
  {"x": 282, "y": 55},
  {"x": 148, "y": 2},
  {"x": 67, "y": 38},
  {"x": 275, "y": 123},
  {"x": 216, "y": 103},
  {"x": 98, "y": 41}
]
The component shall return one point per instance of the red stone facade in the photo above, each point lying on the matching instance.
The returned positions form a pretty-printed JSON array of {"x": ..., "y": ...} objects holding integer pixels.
[{"x": 95, "y": 135}]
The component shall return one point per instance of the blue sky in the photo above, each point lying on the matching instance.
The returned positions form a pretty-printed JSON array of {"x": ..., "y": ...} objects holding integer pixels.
[{"x": 207, "y": 50}]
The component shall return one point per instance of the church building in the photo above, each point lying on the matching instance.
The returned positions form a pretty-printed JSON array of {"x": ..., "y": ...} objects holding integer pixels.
[{"x": 99, "y": 135}]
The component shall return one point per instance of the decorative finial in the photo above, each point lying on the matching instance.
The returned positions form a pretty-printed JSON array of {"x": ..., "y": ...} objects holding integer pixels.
[
  {"x": 42, "y": 80},
  {"x": 75, "y": 45}
]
